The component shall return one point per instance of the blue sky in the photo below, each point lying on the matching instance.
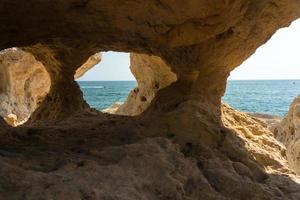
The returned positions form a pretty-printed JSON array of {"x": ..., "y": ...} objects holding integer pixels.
[
  {"x": 279, "y": 58},
  {"x": 113, "y": 66}
]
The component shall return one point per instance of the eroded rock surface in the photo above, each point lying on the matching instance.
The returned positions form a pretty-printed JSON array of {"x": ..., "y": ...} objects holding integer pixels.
[
  {"x": 90, "y": 63},
  {"x": 288, "y": 132},
  {"x": 150, "y": 169},
  {"x": 152, "y": 74},
  {"x": 200, "y": 42},
  {"x": 24, "y": 81},
  {"x": 113, "y": 157}
]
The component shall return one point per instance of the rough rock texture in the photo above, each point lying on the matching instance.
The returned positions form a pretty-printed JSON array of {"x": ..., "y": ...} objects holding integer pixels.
[
  {"x": 90, "y": 63},
  {"x": 257, "y": 138},
  {"x": 152, "y": 74},
  {"x": 25, "y": 83},
  {"x": 288, "y": 132},
  {"x": 201, "y": 42},
  {"x": 113, "y": 157},
  {"x": 150, "y": 169},
  {"x": 12, "y": 120},
  {"x": 272, "y": 121}
]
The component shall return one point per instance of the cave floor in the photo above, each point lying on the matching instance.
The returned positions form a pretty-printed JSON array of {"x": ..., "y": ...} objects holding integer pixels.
[{"x": 74, "y": 158}]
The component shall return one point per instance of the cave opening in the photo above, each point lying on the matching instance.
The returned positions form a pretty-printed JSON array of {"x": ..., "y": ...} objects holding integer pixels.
[
  {"x": 106, "y": 85},
  {"x": 125, "y": 83},
  {"x": 268, "y": 81},
  {"x": 24, "y": 83}
]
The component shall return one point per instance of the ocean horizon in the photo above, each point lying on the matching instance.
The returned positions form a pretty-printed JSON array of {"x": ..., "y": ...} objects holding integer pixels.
[
  {"x": 256, "y": 96},
  {"x": 227, "y": 80}
]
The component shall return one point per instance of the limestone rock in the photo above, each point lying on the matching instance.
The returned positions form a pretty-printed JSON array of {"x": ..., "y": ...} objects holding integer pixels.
[
  {"x": 152, "y": 74},
  {"x": 121, "y": 161},
  {"x": 150, "y": 169},
  {"x": 272, "y": 121},
  {"x": 200, "y": 42},
  {"x": 11, "y": 120},
  {"x": 90, "y": 63},
  {"x": 113, "y": 109},
  {"x": 288, "y": 132},
  {"x": 257, "y": 138},
  {"x": 25, "y": 82}
]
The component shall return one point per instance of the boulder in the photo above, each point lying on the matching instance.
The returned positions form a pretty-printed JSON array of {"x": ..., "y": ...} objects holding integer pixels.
[{"x": 288, "y": 132}]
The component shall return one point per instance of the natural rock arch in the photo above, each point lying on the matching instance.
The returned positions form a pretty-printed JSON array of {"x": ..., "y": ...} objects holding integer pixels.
[
  {"x": 152, "y": 75},
  {"x": 25, "y": 83},
  {"x": 201, "y": 42}
]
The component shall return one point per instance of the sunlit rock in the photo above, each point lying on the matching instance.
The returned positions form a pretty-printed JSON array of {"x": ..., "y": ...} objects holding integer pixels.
[
  {"x": 229, "y": 154},
  {"x": 152, "y": 74},
  {"x": 90, "y": 63},
  {"x": 113, "y": 108},
  {"x": 11, "y": 120},
  {"x": 288, "y": 132},
  {"x": 25, "y": 82}
]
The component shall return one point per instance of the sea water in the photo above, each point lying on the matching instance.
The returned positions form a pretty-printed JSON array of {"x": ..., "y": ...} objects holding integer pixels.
[
  {"x": 263, "y": 96},
  {"x": 102, "y": 94}
]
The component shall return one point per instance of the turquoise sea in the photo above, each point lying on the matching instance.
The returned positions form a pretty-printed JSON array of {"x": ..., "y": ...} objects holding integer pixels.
[{"x": 263, "y": 96}]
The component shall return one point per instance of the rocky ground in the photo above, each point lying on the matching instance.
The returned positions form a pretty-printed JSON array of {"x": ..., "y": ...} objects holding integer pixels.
[{"x": 103, "y": 156}]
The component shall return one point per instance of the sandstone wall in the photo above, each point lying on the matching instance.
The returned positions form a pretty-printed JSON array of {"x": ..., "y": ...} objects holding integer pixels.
[
  {"x": 288, "y": 132},
  {"x": 25, "y": 83},
  {"x": 152, "y": 74},
  {"x": 200, "y": 41}
]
